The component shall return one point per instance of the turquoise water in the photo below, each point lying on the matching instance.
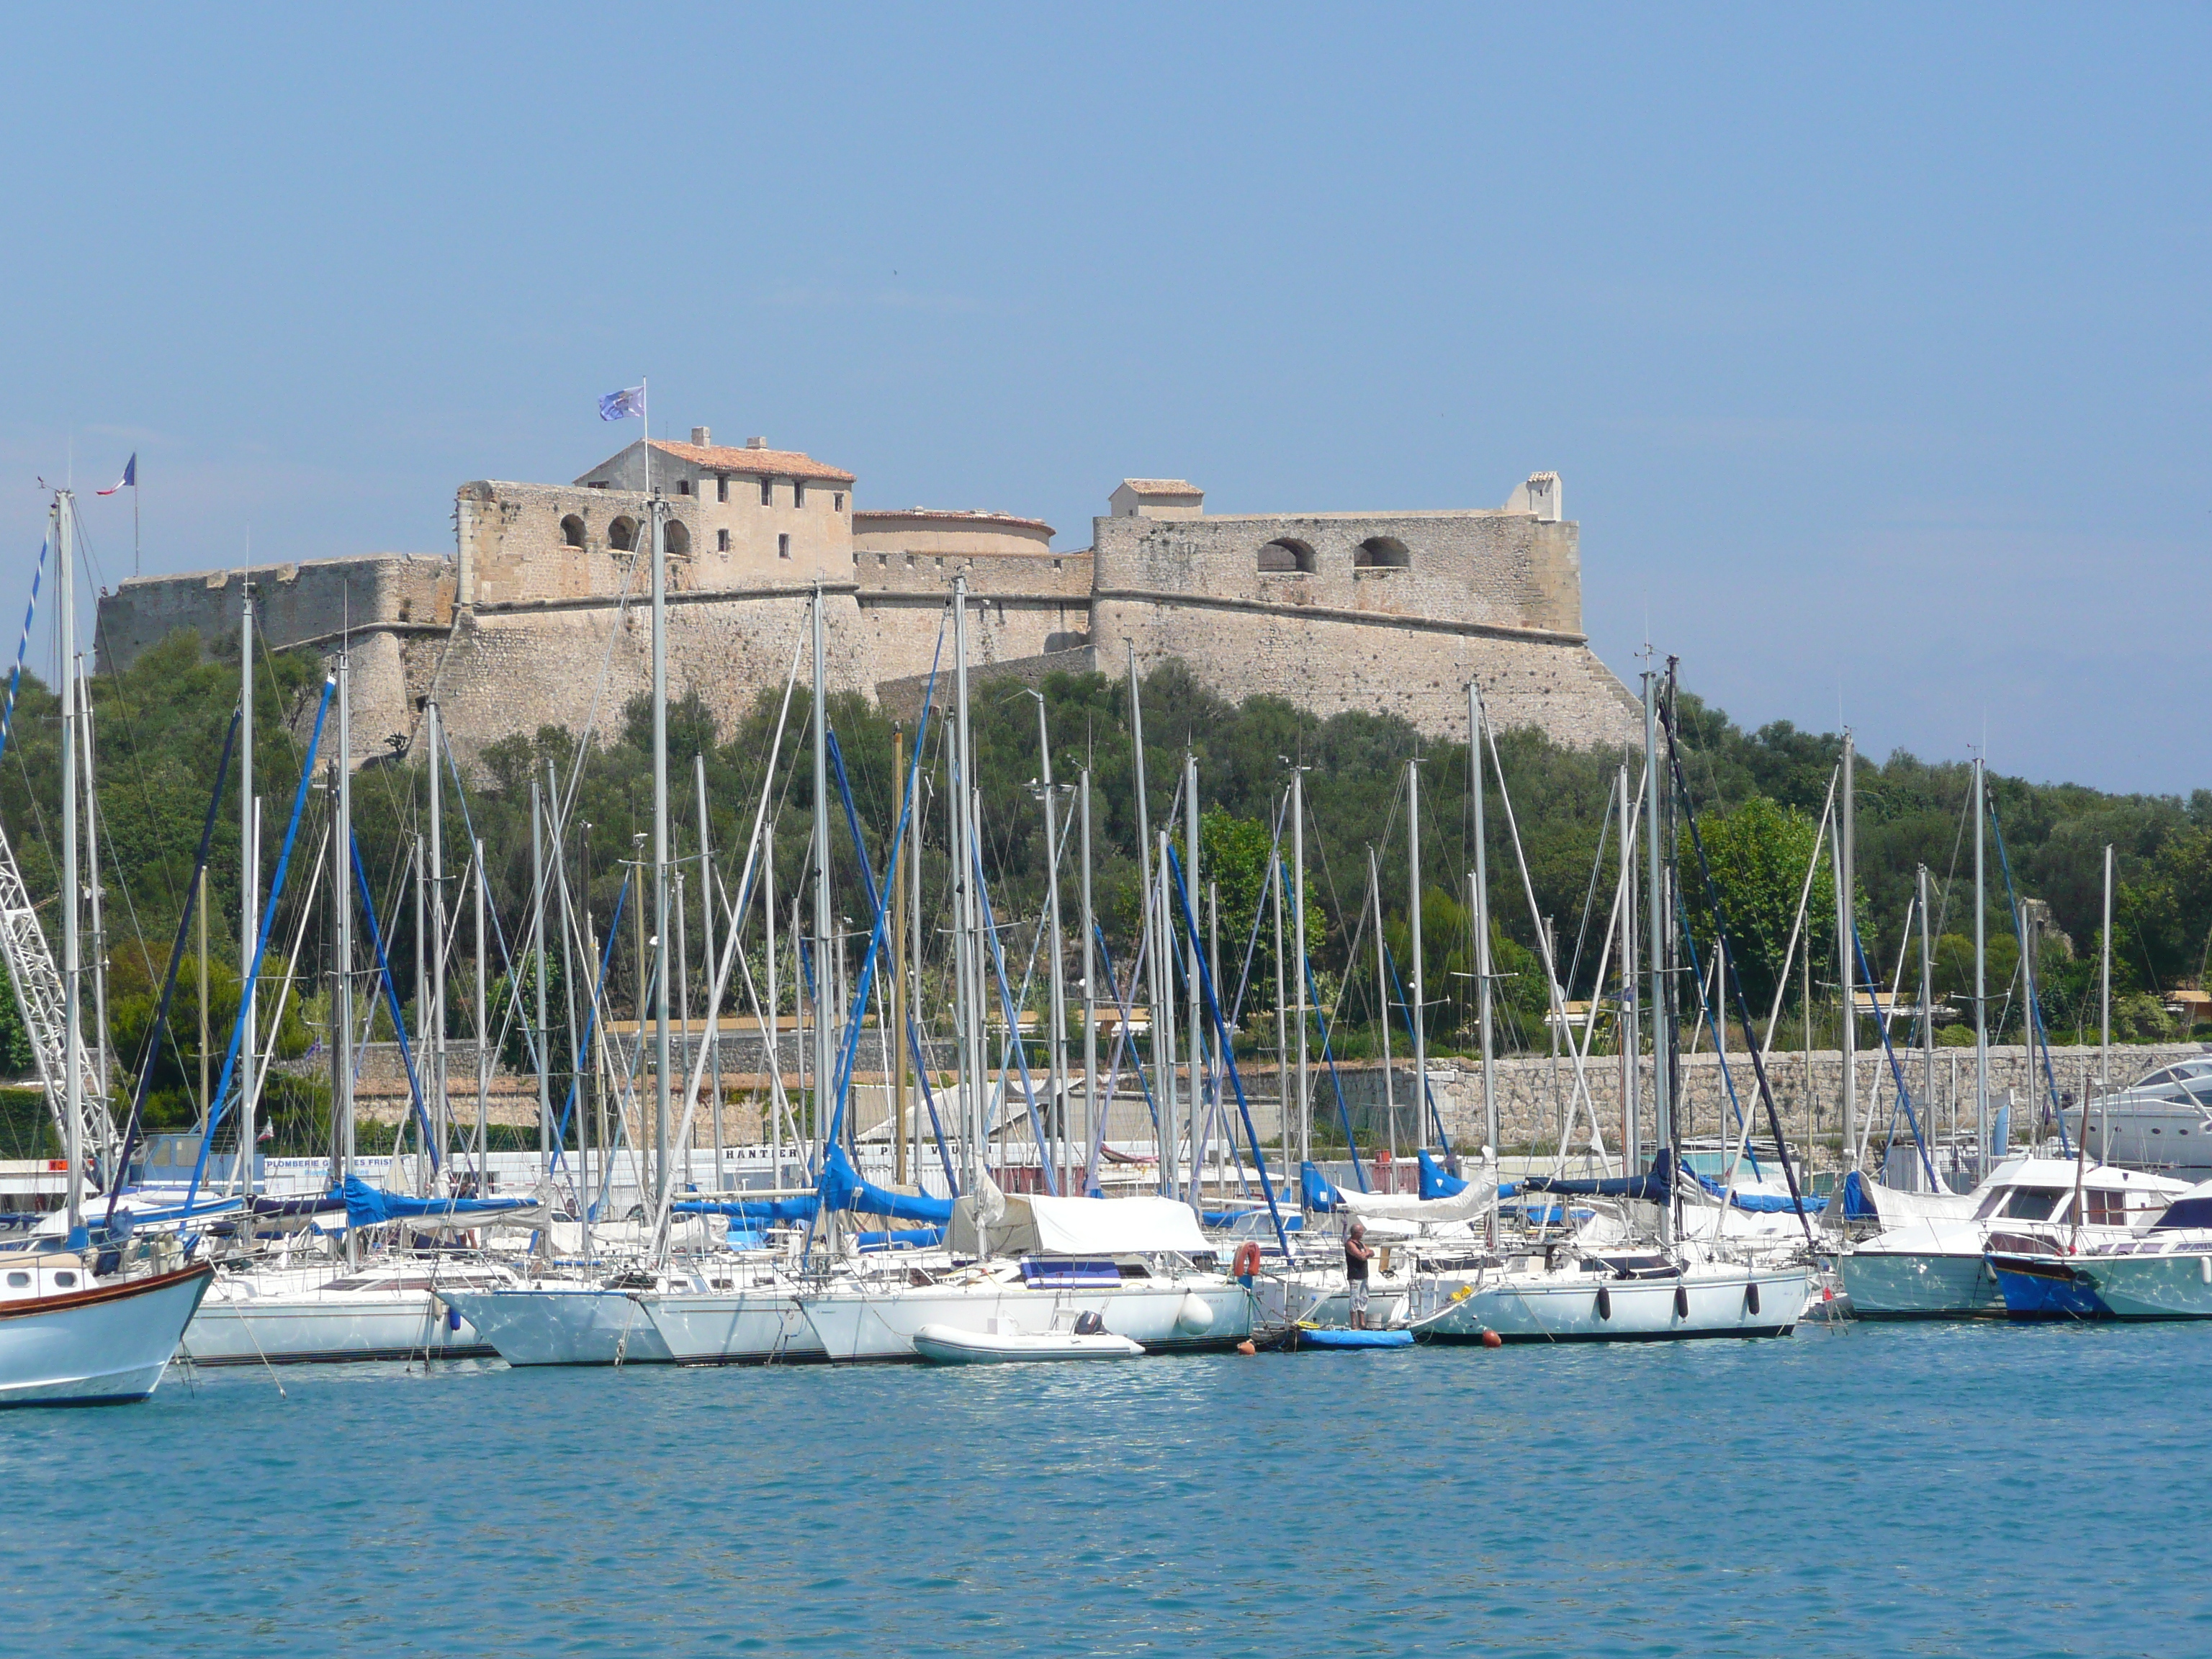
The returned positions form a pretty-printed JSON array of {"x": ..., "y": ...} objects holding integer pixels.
[{"x": 1935, "y": 1489}]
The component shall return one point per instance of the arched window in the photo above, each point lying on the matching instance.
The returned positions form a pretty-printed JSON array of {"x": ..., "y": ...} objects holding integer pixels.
[
  {"x": 1286, "y": 553},
  {"x": 571, "y": 531},
  {"x": 1387, "y": 552},
  {"x": 676, "y": 540},
  {"x": 622, "y": 535}
]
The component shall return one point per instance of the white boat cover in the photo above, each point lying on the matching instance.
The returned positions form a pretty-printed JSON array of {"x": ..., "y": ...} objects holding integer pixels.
[
  {"x": 1038, "y": 1225},
  {"x": 1465, "y": 1205}
]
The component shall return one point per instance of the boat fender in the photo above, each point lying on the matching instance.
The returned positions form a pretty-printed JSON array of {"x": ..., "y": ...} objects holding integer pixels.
[
  {"x": 2204, "y": 1268},
  {"x": 1604, "y": 1304},
  {"x": 1492, "y": 1340},
  {"x": 1193, "y": 1317},
  {"x": 452, "y": 1317},
  {"x": 1681, "y": 1302},
  {"x": 1751, "y": 1298},
  {"x": 1247, "y": 1263}
]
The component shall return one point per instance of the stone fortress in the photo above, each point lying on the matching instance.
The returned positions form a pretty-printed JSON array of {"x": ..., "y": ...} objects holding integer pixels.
[{"x": 538, "y": 617}]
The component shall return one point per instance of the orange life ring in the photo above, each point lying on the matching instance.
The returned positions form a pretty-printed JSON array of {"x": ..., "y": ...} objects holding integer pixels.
[{"x": 1247, "y": 1261}]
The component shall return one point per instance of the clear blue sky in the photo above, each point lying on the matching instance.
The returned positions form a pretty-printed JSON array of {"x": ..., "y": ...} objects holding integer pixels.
[{"x": 1871, "y": 347}]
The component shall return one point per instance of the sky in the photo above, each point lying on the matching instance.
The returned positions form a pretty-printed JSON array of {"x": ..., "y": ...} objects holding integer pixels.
[{"x": 1870, "y": 343}]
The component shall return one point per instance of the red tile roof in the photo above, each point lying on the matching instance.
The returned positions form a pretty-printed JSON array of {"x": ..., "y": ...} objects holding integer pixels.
[{"x": 758, "y": 463}]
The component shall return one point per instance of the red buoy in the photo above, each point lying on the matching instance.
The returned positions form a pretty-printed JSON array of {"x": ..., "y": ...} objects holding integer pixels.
[
  {"x": 1246, "y": 1348},
  {"x": 1492, "y": 1340}
]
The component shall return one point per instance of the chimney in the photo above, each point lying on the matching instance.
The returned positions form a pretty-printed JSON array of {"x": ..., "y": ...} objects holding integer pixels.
[
  {"x": 756, "y": 443},
  {"x": 702, "y": 435}
]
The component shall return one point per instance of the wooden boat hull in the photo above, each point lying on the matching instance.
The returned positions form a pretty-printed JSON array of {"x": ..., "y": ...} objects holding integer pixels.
[{"x": 106, "y": 1346}]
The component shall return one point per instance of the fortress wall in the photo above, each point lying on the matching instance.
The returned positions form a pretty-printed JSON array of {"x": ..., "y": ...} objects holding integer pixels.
[
  {"x": 507, "y": 671},
  {"x": 1506, "y": 569},
  {"x": 298, "y": 602},
  {"x": 1332, "y": 665}
]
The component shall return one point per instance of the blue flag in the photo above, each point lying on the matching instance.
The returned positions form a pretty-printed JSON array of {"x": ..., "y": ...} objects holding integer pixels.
[{"x": 620, "y": 405}]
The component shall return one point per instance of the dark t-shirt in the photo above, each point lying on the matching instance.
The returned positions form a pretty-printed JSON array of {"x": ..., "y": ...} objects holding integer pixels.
[{"x": 1355, "y": 1266}]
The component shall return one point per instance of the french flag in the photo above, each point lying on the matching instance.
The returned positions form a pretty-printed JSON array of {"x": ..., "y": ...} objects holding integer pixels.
[{"x": 129, "y": 476}]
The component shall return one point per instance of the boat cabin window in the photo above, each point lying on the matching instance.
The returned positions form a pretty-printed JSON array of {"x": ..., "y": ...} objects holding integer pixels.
[
  {"x": 2033, "y": 1203},
  {"x": 2107, "y": 1207},
  {"x": 18, "y": 1281},
  {"x": 65, "y": 1280}
]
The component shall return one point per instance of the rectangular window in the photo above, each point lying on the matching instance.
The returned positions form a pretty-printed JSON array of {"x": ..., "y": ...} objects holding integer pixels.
[
  {"x": 799, "y": 494},
  {"x": 721, "y": 541},
  {"x": 783, "y": 547},
  {"x": 721, "y": 486},
  {"x": 768, "y": 493},
  {"x": 837, "y": 502},
  {"x": 683, "y": 486}
]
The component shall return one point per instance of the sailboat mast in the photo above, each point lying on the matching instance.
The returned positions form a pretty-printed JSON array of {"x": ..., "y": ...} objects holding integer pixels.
[
  {"x": 660, "y": 916},
  {"x": 1927, "y": 1004},
  {"x": 1662, "y": 1091},
  {"x": 1150, "y": 949},
  {"x": 1191, "y": 982},
  {"x": 249, "y": 885},
  {"x": 965, "y": 945},
  {"x": 342, "y": 932},
  {"x": 83, "y": 692},
  {"x": 1056, "y": 1124},
  {"x": 1981, "y": 989},
  {"x": 1481, "y": 918},
  {"x": 1382, "y": 1005},
  {"x": 1629, "y": 1026},
  {"x": 707, "y": 958},
  {"x": 2105, "y": 989},
  {"x": 1090, "y": 977},
  {"x": 1299, "y": 949},
  {"x": 1846, "y": 962},
  {"x": 824, "y": 1062},
  {"x": 442, "y": 1099},
  {"x": 537, "y": 924},
  {"x": 1413, "y": 924},
  {"x": 65, "y": 536}
]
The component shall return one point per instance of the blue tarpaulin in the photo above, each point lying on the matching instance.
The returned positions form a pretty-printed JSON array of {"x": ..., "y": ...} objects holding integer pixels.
[
  {"x": 843, "y": 1190},
  {"x": 1314, "y": 1187},
  {"x": 367, "y": 1206},
  {"x": 1435, "y": 1182},
  {"x": 758, "y": 1213},
  {"x": 905, "y": 1238}
]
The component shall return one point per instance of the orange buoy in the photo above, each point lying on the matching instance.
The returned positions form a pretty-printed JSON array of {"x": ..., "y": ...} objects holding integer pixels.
[
  {"x": 1247, "y": 1261},
  {"x": 1492, "y": 1340},
  {"x": 1246, "y": 1346}
]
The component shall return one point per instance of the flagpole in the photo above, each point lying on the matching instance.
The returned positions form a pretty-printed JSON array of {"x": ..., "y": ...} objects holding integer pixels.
[{"x": 134, "y": 515}]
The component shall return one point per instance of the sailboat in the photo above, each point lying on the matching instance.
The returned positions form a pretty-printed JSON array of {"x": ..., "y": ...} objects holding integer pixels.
[
  {"x": 96, "y": 1320},
  {"x": 1576, "y": 1288}
]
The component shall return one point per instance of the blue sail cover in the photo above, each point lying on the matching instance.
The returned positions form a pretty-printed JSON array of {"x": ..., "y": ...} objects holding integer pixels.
[
  {"x": 1313, "y": 1187},
  {"x": 1434, "y": 1182},
  {"x": 367, "y": 1206},
  {"x": 758, "y": 1213},
  {"x": 843, "y": 1190}
]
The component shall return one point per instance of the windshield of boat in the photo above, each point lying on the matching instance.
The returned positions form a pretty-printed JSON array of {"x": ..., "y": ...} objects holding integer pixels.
[{"x": 2030, "y": 1203}]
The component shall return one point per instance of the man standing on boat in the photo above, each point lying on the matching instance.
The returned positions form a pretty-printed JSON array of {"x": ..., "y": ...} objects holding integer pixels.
[{"x": 1357, "y": 1255}]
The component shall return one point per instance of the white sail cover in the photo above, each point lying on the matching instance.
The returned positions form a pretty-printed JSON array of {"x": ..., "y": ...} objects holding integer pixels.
[
  {"x": 1077, "y": 1226},
  {"x": 1475, "y": 1199}
]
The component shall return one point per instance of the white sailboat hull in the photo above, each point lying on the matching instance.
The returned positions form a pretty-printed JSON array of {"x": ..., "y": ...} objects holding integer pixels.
[
  {"x": 310, "y": 1329},
  {"x": 746, "y": 1327},
  {"x": 563, "y": 1325},
  {"x": 99, "y": 1346},
  {"x": 1711, "y": 1300},
  {"x": 1166, "y": 1316}
]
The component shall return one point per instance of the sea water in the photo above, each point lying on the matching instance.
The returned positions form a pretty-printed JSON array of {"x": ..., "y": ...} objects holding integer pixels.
[{"x": 1878, "y": 1490}]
